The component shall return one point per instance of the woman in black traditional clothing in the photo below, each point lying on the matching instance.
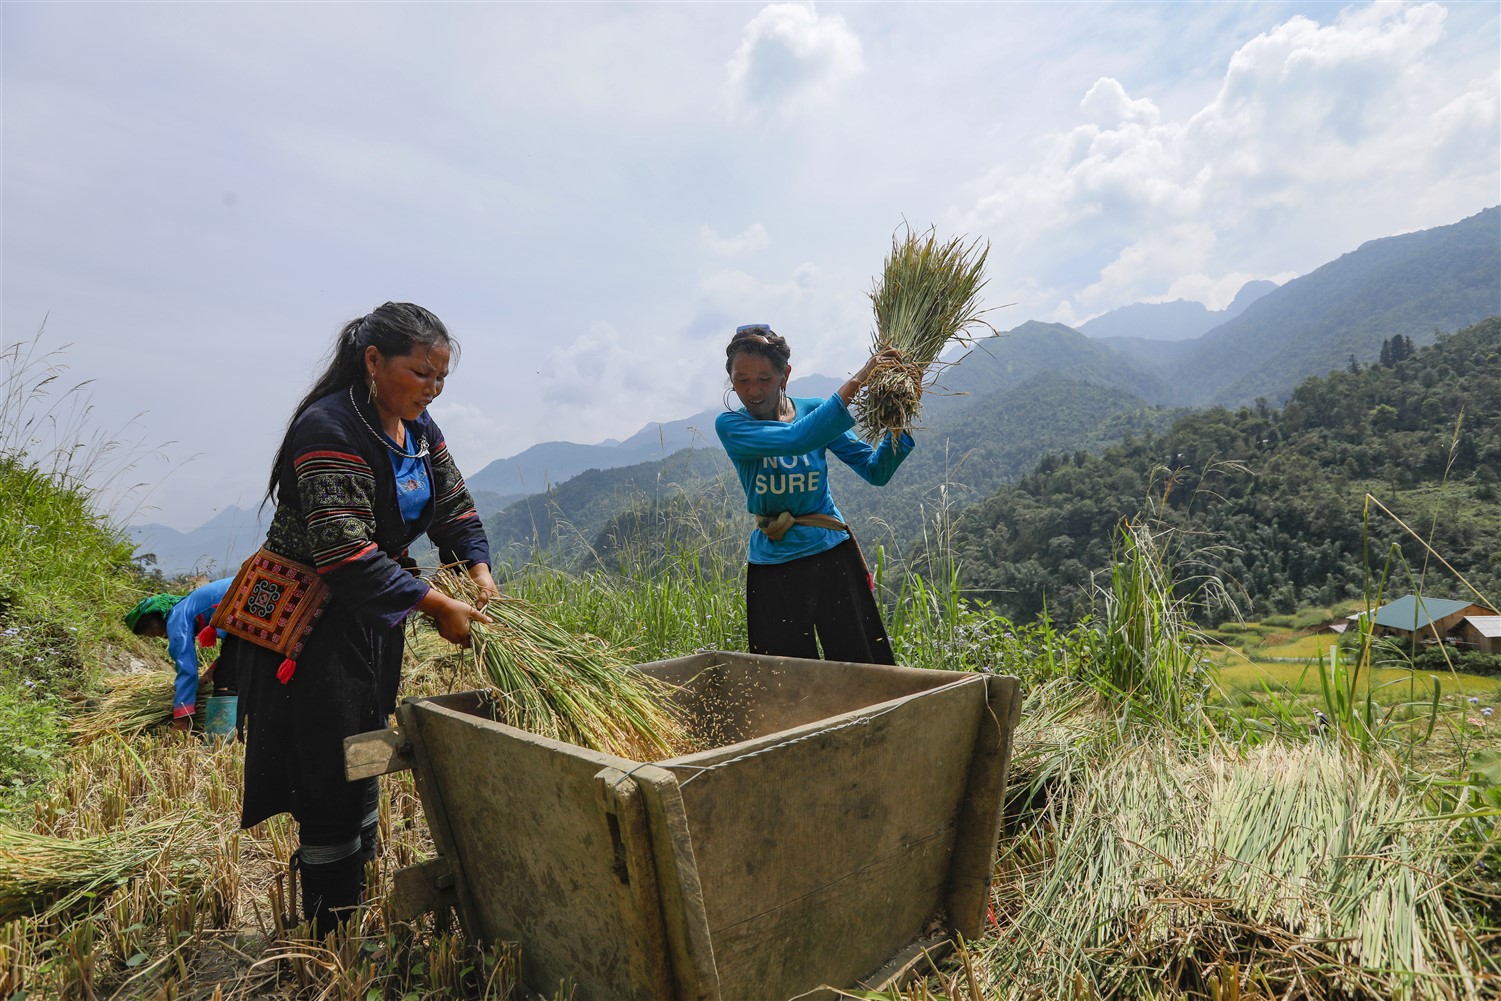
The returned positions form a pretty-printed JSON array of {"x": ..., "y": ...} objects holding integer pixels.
[{"x": 361, "y": 472}]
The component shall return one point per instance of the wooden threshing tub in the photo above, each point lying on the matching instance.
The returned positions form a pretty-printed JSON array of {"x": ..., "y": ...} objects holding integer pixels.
[{"x": 845, "y": 816}]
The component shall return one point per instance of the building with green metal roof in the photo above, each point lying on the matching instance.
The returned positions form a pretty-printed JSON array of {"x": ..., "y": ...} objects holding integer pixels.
[{"x": 1429, "y": 620}]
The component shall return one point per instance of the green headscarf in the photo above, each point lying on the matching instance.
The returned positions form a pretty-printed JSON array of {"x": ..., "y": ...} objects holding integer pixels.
[{"x": 161, "y": 603}]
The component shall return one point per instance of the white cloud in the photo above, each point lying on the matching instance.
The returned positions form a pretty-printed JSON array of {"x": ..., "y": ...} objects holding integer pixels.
[
  {"x": 790, "y": 58},
  {"x": 1179, "y": 248},
  {"x": 735, "y": 291},
  {"x": 572, "y": 373},
  {"x": 616, "y": 376},
  {"x": 753, "y": 239},
  {"x": 826, "y": 318},
  {"x": 1108, "y": 105},
  {"x": 611, "y": 381},
  {"x": 1313, "y": 128}
]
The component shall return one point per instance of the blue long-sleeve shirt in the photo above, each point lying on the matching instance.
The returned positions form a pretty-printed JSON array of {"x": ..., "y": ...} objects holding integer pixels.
[
  {"x": 783, "y": 467},
  {"x": 184, "y": 622}
]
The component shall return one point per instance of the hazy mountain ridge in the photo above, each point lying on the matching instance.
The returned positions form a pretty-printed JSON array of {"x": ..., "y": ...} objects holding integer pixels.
[
  {"x": 218, "y": 546},
  {"x": 575, "y": 510},
  {"x": 1021, "y": 354},
  {"x": 1044, "y": 388},
  {"x": 1415, "y": 284},
  {"x": 535, "y": 469},
  {"x": 1179, "y": 320},
  {"x": 215, "y": 548},
  {"x": 964, "y": 455}
]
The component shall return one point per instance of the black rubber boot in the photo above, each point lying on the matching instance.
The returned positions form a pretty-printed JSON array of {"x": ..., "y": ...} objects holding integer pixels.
[{"x": 331, "y": 892}]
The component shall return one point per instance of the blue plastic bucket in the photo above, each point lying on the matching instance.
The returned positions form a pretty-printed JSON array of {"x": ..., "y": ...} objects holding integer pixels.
[{"x": 219, "y": 716}]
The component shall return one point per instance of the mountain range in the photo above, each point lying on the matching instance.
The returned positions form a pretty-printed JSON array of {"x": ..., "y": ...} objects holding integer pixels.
[
  {"x": 1180, "y": 320},
  {"x": 549, "y": 463},
  {"x": 1035, "y": 390}
]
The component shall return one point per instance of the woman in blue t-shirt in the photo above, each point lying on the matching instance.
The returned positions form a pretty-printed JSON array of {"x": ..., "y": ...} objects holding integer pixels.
[{"x": 806, "y": 584}]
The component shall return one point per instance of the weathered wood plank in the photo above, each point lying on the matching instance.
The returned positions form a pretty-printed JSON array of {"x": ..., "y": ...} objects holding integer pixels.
[
  {"x": 418, "y": 889},
  {"x": 435, "y": 807},
  {"x": 637, "y": 897},
  {"x": 745, "y": 696},
  {"x": 533, "y": 847},
  {"x": 918, "y": 959},
  {"x": 379, "y": 752},
  {"x": 694, "y": 973},
  {"x": 841, "y": 931},
  {"x": 818, "y": 844},
  {"x": 980, "y": 816},
  {"x": 837, "y": 836}
]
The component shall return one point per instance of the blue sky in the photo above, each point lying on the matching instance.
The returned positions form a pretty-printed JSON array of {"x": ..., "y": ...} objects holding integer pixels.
[{"x": 196, "y": 196}]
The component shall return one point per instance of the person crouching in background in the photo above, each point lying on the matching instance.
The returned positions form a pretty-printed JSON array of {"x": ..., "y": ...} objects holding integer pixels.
[{"x": 182, "y": 619}]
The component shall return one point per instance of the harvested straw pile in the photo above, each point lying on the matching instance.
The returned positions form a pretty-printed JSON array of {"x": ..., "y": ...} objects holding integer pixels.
[
  {"x": 927, "y": 295},
  {"x": 46, "y": 876},
  {"x": 1319, "y": 870},
  {"x": 133, "y": 703},
  {"x": 572, "y": 688}
]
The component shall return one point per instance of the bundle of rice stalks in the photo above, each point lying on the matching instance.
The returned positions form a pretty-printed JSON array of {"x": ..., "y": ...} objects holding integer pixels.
[
  {"x": 45, "y": 876},
  {"x": 565, "y": 686},
  {"x": 928, "y": 295},
  {"x": 133, "y": 703}
]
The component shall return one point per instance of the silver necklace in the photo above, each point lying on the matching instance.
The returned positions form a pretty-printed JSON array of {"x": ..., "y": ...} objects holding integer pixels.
[{"x": 385, "y": 440}]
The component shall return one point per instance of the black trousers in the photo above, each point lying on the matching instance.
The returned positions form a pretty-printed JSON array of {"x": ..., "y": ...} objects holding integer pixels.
[{"x": 792, "y": 609}]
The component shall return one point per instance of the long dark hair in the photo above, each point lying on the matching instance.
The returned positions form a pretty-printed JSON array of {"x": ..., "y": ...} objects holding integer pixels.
[{"x": 395, "y": 328}]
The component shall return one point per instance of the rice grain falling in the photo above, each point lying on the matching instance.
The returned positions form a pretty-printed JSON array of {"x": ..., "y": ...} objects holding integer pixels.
[
  {"x": 928, "y": 295},
  {"x": 573, "y": 688}
]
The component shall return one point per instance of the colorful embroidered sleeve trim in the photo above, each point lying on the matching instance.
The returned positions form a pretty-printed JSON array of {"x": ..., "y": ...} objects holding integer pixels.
[
  {"x": 359, "y": 553},
  {"x": 337, "y": 490}
]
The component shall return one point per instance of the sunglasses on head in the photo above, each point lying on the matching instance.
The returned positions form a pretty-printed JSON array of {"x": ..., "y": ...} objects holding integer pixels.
[{"x": 753, "y": 328}]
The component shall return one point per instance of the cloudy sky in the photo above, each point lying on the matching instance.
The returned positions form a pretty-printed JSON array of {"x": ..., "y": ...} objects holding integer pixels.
[{"x": 196, "y": 196}]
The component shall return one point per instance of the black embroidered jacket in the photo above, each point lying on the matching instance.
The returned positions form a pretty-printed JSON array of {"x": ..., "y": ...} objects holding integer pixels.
[{"x": 337, "y": 510}]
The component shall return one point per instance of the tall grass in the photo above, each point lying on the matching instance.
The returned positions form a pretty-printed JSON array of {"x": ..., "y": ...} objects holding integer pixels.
[
  {"x": 67, "y": 574},
  {"x": 664, "y": 579},
  {"x": 1149, "y": 657},
  {"x": 934, "y": 623},
  {"x": 47, "y": 423},
  {"x": 686, "y": 606}
]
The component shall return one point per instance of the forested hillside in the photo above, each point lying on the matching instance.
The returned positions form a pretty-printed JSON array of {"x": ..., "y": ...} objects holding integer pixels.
[
  {"x": 565, "y": 520},
  {"x": 1280, "y": 492}
]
